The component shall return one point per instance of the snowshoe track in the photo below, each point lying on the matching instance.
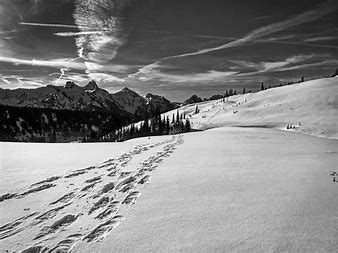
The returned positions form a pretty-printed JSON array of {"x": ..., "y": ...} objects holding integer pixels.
[{"x": 103, "y": 199}]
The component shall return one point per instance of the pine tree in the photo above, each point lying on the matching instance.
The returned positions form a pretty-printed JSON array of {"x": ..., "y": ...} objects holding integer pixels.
[
  {"x": 153, "y": 125},
  {"x": 243, "y": 90},
  {"x": 196, "y": 109},
  {"x": 167, "y": 125},
  {"x": 173, "y": 120},
  {"x": 177, "y": 116},
  {"x": 132, "y": 130},
  {"x": 160, "y": 124},
  {"x": 187, "y": 126},
  {"x": 302, "y": 79},
  {"x": 262, "y": 86}
]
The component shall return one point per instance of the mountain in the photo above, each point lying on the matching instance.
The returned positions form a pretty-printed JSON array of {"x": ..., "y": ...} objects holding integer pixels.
[
  {"x": 142, "y": 107},
  {"x": 21, "y": 109},
  {"x": 68, "y": 97},
  {"x": 88, "y": 98},
  {"x": 193, "y": 99}
]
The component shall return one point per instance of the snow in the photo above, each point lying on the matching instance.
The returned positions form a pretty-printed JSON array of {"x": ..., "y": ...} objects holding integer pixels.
[
  {"x": 236, "y": 190},
  {"x": 314, "y": 104},
  {"x": 242, "y": 185},
  {"x": 232, "y": 189}
]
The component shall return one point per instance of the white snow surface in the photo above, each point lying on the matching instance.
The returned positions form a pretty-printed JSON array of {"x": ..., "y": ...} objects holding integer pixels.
[
  {"x": 312, "y": 107},
  {"x": 226, "y": 189},
  {"x": 221, "y": 190}
]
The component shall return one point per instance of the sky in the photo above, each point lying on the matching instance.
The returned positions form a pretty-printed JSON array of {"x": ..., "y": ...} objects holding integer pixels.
[{"x": 174, "y": 48}]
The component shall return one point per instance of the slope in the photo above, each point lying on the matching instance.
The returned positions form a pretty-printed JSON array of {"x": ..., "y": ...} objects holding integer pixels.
[{"x": 311, "y": 107}]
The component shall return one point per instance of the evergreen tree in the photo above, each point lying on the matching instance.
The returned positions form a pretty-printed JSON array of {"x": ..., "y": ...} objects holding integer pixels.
[
  {"x": 167, "y": 125},
  {"x": 187, "y": 126},
  {"x": 173, "y": 120},
  {"x": 160, "y": 124},
  {"x": 262, "y": 86},
  {"x": 243, "y": 90},
  {"x": 302, "y": 79},
  {"x": 153, "y": 125},
  {"x": 196, "y": 109},
  {"x": 132, "y": 130},
  {"x": 177, "y": 116}
]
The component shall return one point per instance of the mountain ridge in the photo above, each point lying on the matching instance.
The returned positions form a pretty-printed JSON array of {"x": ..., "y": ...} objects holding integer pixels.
[
  {"x": 89, "y": 97},
  {"x": 72, "y": 112}
]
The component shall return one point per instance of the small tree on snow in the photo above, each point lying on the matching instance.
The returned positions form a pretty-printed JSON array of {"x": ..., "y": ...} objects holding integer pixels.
[{"x": 187, "y": 126}]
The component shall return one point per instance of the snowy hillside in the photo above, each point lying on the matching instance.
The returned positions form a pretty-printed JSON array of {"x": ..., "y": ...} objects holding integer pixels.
[{"x": 310, "y": 107}]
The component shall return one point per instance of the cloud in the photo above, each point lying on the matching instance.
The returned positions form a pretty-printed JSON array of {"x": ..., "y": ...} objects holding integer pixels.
[
  {"x": 267, "y": 66},
  {"x": 105, "y": 78},
  {"x": 331, "y": 63},
  {"x": 55, "y": 63},
  {"x": 71, "y": 34},
  {"x": 102, "y": 15},
  {"x": 321, "y": 38},
  {"x": 278, "y": 66},
  {"x": 302, "y": 18},
  {"x": 257, "y": 35},
  {"x": 154, "y": 74},
  {"x": 49, "y": 25},
  {"x": 15, "y": 81}
]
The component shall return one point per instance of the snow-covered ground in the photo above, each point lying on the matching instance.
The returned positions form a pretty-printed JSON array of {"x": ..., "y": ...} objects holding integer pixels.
[
  {"x": 226, "y": 189},
  {"x": 312, "y": 107}
]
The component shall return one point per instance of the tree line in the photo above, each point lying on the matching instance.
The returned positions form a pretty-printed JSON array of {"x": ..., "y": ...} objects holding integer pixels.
[{"x": 154, "y": 126}]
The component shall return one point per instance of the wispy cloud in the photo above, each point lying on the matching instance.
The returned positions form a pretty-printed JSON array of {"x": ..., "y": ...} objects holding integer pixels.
[
  {"x": 257, "y": 35},
  {"x": 155, "y": 74},
  {"x": 55, "y": 63},
  {"x": 321, "y": 38},
  {"x": 99, "y": 15},
  {"x": 105, "y": 78},
  {"x": 72, "y": 34},
  {"x": 50, "y": 25},
  {"x": 302, "y": 18},
  {"x": 331, "y": 63},
  {"x": 15, "y": 81},
  {"x": 290, "y": 63}
]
